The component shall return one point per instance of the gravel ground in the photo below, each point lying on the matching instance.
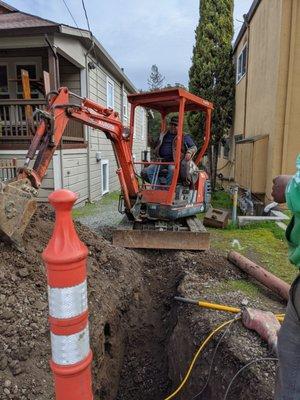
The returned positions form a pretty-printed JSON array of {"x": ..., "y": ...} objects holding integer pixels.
[{"x": 103, "y": 217}]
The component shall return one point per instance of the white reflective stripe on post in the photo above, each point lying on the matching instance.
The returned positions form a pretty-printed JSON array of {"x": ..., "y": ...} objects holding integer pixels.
[
  {"x": 67, "y": 302},
  {"x": 71, "y": 349}
]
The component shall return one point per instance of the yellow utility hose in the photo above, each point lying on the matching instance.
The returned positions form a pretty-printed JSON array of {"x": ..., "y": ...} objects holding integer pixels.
[
  {"x": 213, "y": 306},
  {"x": 203, "y": 344},
  {"x": 219, "y": 307}
]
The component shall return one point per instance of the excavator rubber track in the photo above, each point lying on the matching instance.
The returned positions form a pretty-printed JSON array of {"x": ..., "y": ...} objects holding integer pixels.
[{"x": 186, "y": 234}]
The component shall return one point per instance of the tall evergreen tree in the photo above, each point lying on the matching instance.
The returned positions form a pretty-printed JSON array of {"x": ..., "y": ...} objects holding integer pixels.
[
  {"x": 156, "y": 79},
  {"x": 212, "y": 73}
]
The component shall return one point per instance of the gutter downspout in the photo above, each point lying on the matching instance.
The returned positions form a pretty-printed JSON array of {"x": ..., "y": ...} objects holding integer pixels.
[
  {"x": 247, "y": 72},
  {"x": 87, "y": 94}
]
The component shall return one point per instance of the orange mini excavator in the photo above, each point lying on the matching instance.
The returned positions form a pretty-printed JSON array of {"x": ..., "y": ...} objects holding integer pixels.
[{"x": 157, "y": 216}]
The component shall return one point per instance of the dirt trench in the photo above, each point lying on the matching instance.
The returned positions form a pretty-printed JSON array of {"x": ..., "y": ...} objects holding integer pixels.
[
  {"x": 164, "y": 334},
  {"x": 142, "y": 340}
]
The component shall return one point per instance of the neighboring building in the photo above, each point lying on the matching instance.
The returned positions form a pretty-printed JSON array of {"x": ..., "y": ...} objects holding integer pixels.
[
  {"x": 85, "y": 163},
  {"x": 267, "y": 99}
]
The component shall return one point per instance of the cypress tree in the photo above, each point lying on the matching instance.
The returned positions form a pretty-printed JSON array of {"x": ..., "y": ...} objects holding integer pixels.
[{"x": 212, "y": 74}]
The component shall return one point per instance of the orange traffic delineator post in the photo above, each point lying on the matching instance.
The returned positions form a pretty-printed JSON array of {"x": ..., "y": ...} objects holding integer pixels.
[{"x": 65, "y": 259}]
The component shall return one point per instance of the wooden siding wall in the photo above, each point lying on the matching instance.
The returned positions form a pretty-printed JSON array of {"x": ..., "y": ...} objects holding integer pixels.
[
  {"x": 99, "y": 143},
  {"x": 250, "y": 165},
  {"x": 291, "y": 145},
  {"x": 261, "y": 104},
  {"x": 75, "y": 167},
  {"x": 69, "y": 75},
  {"x": 259, "y": 174},
  {"x": 243, "y": 164},
  {"x": 140, "y": 139}
]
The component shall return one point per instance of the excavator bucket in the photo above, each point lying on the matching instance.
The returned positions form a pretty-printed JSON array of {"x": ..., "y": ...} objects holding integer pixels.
[{"x": 17, "y": 206}]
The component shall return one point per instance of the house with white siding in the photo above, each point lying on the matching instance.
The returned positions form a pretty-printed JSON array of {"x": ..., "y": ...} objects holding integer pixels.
[{"x": 85, "y": 162}]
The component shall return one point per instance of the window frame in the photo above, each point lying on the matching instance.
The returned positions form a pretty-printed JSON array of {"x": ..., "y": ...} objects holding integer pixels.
[
  {"x": 4, "y": 64},
  {"x": 125, "y": 106},
  {"x": 106, "y": 190},
  {"x": 240, "y": 62},
  {"x": 110, "y": 82}
]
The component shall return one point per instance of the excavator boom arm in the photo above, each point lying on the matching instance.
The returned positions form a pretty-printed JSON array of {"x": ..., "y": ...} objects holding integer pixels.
[
  {"x": 18, "y": 197},
  {"x": 50, "y": 131}
]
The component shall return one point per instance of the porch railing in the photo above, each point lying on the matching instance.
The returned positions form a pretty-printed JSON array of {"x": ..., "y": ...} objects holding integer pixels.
[
  {"x": 8, "y": 169},
  {"x": 15, "y": 130}
]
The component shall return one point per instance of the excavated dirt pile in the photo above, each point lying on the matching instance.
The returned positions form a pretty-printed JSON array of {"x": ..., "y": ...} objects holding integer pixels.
[
  {"x": 114, "y": 283},
  {"x": 142, "y": 340}
]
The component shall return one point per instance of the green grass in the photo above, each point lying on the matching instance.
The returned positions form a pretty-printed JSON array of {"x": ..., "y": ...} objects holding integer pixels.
[
  {"x": 246, "y": 287},
  {"x": 263, "y": 243},
  {"x": 93, "y": 208},
  {"x": 109, "y": 197},
  {"x": 221, "y": 199}
]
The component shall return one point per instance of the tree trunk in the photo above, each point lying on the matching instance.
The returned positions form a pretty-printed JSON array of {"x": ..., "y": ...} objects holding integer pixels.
[
  {"x": 210, "y": 161},
  {"x": 214, "y": 165}
]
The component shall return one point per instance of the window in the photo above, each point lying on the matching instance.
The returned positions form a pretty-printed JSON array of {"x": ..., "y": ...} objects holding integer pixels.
[
  {"x": 31, "y": 68},
  {"x": 241, "y": 64},
  {"x": 105, "y": 176},
  {"x": 110, "y": 93},
  {"x": 3, "y": 82},
  {"x": 125, "y": 105}
]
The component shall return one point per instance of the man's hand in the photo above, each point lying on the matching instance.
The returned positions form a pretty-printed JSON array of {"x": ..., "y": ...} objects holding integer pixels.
[
  {"x": 278, "y": 190},
  {"x": 188, "y": 156}
]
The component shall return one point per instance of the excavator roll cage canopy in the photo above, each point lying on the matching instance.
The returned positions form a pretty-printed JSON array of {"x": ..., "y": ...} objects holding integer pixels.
[{"x": 167, "y": 101}]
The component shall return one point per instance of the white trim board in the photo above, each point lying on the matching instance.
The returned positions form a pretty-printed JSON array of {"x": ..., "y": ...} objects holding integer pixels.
[
  {"x": 105, "y": 162},
  {"x": 65, "y": 151}
]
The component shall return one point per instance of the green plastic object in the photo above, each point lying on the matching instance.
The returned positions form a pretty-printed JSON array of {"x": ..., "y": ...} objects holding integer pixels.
[{"x": 292, "y": 195}]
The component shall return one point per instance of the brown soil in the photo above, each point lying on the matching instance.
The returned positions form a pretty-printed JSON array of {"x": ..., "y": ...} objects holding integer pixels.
[
  {"x": 114, "y": 284},
  {"x": 141, "y": 339},
  {"x": 203, "y": 278}
]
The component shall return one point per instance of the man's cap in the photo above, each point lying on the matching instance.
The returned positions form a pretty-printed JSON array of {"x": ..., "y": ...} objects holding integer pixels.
[{"x": 174, "y": 121}]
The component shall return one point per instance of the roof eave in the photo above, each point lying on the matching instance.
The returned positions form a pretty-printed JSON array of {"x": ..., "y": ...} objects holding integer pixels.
[
  {"x": 28, "y": 31},
  {"x": 243, "y": 29},
  {"x": 8, "y": 6},
  {"x": 110, "y": 63}
]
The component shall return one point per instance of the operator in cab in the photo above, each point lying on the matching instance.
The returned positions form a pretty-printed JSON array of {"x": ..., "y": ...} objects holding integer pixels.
[{"x": 165, "y": 151}]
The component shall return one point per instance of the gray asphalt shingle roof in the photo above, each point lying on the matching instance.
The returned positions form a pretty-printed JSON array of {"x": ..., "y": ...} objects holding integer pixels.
[{"x": 18, "y": 20}]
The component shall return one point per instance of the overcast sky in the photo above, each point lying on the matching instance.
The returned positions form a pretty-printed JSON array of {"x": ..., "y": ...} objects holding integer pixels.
[{"x": 137, "y": 33}]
